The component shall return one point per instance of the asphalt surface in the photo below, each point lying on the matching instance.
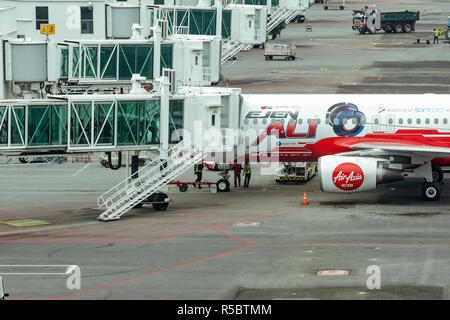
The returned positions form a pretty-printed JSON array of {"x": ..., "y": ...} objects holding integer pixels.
[
  {"x": 333, "y": 58},
  {"x": 249, "y": 243},
  {"x": 256, "y": 243}
]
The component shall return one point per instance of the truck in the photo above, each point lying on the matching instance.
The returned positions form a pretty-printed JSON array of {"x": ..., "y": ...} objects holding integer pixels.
[
  {"x": 371, "y": 19},
  {"x": 285, "y": 51},
  {"x": 296, "y": 172},
  {"x": 447, "y": 32},
  {"x": 337, "y": 4}
]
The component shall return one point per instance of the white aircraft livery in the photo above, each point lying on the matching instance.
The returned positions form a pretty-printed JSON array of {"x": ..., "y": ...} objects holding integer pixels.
[{"x": 359, "y": 141}]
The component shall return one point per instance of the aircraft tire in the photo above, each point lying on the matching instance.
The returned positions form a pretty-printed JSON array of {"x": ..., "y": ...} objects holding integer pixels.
[
  {"x": 438, "y": 174},
  {"x": 223, "y": 185},
  {"x": 160, "y": 206},
  {"x": 431, "y": 191}
]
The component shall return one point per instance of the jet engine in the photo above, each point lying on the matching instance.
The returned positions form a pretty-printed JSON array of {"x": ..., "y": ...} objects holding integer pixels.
[{"x": 354, "y": 174}]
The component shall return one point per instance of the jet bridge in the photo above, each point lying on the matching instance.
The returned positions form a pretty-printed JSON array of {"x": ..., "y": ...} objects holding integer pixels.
[{"x": 110, "y": 122}]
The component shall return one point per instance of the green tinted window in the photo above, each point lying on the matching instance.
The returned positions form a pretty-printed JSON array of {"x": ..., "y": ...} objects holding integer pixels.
[
  {"x": 108, "y": 62},
  {"x": 176, "y": 120},
  {"x": 138, "y": 122},
  {"x": 18, "y": 125},
  {"x": 64, "y": 62},
  {"x": 3, "y": 126},
  {"x": 80, "y": 124},
  {"x": 135, "y": 59},
  {"x": 104, "y": 123}
]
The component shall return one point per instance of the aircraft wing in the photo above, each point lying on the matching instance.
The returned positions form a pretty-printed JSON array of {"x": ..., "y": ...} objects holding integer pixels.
[{"x": 403, "y": 148}]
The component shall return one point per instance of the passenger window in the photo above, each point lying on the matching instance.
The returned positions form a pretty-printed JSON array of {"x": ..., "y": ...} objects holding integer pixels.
[
  {"x": 376, "y": 121},
  {"x": 391, "y": 121},
  {"x": 264, "y": 121},
  {"x": 409, "y": 121},
  {"x": 418, "y": 120},
  {"x": 445, "y": 121},
  {"x": 300, "y": 121},
  {"x": 427, "y": 121},
  {"x": 318, "y": 121},
  {"x": 308, "y": 121},
  {"x": 246, "y": 121},
  {"x": 400, "y": 121},
  {"x": 255, "y": 121},
  {"x": 272, "y": 121},
  {"x": 336, "y": 121},
  {"x": 436, "y": 121}
]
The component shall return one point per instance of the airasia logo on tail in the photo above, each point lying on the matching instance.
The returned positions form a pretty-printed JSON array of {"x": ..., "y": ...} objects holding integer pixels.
[{"x": 348, "y": 176}]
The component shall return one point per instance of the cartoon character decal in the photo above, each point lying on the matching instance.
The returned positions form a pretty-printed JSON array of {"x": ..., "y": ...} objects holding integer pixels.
[{"x": 345, "y": 119}]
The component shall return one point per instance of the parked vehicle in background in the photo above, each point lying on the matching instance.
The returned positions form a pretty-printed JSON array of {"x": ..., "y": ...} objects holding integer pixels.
[
  {"x": 335, "y": 4},
  {"x": 285, "y": 51},
  {"x": 296, "y": 171},
  {"x": 371, "y": 19}
]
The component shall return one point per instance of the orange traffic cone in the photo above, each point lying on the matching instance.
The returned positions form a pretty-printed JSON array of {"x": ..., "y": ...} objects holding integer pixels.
[{"x": 305, "y": 200}]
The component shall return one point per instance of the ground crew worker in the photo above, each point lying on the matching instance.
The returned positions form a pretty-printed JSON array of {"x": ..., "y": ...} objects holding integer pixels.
[
  {"x": 361, "y": 26},
  {"x": 237, "y": 173},
  {"x": 248, "y": 174},
  {"x": 198, "y": 167},
  {"x": 436, "y": 36}
]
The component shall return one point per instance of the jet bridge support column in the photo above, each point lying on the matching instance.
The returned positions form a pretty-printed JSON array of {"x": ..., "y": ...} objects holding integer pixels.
[
  {"x": 219, "y": 18},
  {"x": 156, "y": 50},
  {"x": 164, "y": 127}
]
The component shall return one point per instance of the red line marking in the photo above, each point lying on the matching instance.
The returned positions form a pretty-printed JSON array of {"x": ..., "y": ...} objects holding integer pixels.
[
  {"x": 84, "y": 234},
  {"x": 229, "y": 235},
  {"x": 151, "y": 273},
  {"x": 128, "y": 223}
]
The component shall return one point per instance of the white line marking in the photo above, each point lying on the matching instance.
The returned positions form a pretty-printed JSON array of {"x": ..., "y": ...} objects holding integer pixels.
[{"x": 76, "y": 173}]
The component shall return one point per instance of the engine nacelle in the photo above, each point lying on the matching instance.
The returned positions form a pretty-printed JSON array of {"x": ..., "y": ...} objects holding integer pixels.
[{"x": 354, "y": 174}]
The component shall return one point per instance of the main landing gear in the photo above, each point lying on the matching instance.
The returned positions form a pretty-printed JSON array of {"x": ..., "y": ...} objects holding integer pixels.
[
  {"x": 431, "y": 190},
  {"x": 223, "y": 185}
]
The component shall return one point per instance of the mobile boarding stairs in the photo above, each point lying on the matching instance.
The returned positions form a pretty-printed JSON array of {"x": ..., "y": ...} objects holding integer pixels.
[{"x": 146, "y": 184}]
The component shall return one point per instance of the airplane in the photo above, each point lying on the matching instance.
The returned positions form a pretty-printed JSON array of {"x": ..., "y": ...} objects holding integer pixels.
[{"x": 359, "y": 141}]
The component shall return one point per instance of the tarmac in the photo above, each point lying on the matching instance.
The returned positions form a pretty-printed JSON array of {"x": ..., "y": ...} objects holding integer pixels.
[{"x": 255, "y": 243}]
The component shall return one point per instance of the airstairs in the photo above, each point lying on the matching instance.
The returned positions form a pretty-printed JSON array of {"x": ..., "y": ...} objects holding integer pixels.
[
  {"x": 279, "y": 15},
  {"x": 151, "y": 179},
  {"x": 231, "y": 48}
]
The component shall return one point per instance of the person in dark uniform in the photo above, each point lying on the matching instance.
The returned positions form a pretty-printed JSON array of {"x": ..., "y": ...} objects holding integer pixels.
[
  {"x": 198, "y": 168},
  {"x": 248, "y": 174},
  {"x": 237, "y": 168}
]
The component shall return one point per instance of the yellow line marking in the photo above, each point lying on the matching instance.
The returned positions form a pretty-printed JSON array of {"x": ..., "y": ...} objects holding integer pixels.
[{"x": 25, "y": 222}]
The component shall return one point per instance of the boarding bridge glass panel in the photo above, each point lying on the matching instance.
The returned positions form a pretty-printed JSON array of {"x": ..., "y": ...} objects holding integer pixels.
[
  {"x": 81, "y": 116},
  {"x": 18, "y": 125},
  {"x": 136, "y": 59},
  {"x": 47, "y": 125},
  {"x": 75, "y": 62},
  {"x": 166, "y": 56},
  {"x": 256, "y": 2},
  {"x": 108, "y": 63},
  {"x": 3, "y": 125},
  {"x": 203, "y": 22},
  {"x": 138, "y": 122},
  {"x": 176, "y": 120},
  {"x": 90, "y": 62},
  {"x": 64, "y": 62},
  {"x": 226, "y": 24},
  {"x": 104, "y": 114}
]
